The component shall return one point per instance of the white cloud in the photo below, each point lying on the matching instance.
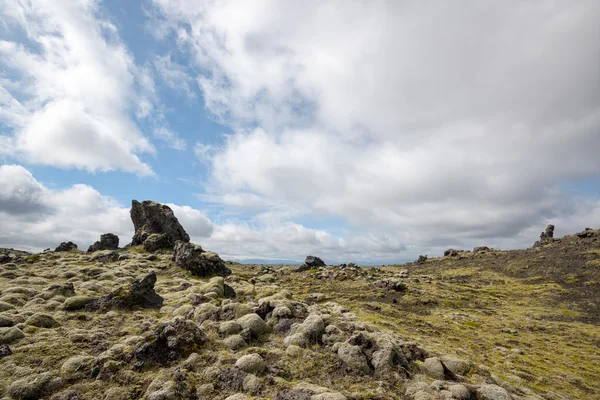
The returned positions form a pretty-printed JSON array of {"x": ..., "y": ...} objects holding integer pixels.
[
  {"x": 437, "y": 125},
  {"x": 67, "y": 88}
]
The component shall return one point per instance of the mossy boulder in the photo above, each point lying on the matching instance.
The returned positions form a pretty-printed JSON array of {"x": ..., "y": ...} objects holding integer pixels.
[
  {"x": 42, "y": 321},
  {"x": 33, "y": 387},
  {"x": 77, "y": 367},
  {"x": 77, "y": 302},
  {"x": 10, "y": 335},
  {"x": 251, "y": 363},
  {"x": 140, "y": 293}
]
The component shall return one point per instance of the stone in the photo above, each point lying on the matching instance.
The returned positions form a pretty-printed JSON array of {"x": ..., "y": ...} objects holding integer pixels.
[
  {"x": 312, "y": 328},
  {"x": 255, "y": 324},
  {"x": 421, "y": 260},
  {"x": 78, "y": 367},
  {"x": 60, "y": 289},
  {"x": 78, "y": 302},
  {"x": 450, "y": 253},
  {"x": 201, "y": 263},
  {"x": 6, "y": 321},
  {"x": 311, "y": 262},
  {"x": 230, "y": 328},
  {"x": 108, "y": 241},
  {"x": 33, "y": 387},
  {"x": 41, "y": 321},
  {"x": 354, "y": 358},
  {"x": 252, "y": 384},
  {"x": 169, "y": 342},
  {"x": 460, "y": 392},
  {"x": 149, "y": 218},
  {"x": 4, "y": 306},
  {"x": 546, "y": 237},
  {"x": 434, "y": 368},
  {"x": 4, "y": 351},
  {"x": 492, "y": 392},
  {"x": 10, "y": 335},
  {"x": 140, "y": 293},
  {"x": 232, "y": 378},
  {"x": 235, "y": 342},
  {"x": 481, "y": 249},
  {"x": 456, "y": 365},
  {"x": 251, "y": 363},
  {"x": 66, "y": 246},
  {"x": 157, "y": 241}
]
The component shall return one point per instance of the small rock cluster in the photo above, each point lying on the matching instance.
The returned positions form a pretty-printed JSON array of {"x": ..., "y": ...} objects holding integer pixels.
[{"x": 546, "y": 237}]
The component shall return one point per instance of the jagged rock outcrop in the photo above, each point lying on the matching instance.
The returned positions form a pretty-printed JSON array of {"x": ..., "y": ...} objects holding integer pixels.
[
  {"x": 546, "y": 237},
  {"x": 480, "y": 249},
  {"x": 201, "y": 263},
  {"x": 151, "y": 218},
  {"x": 66, "y": 246},
  {"x": 138, "y": 294},
  {"x": 4, "y": 351},
  {"x": 311, "y": 262},
  {"x": 450, "y": 253},
  {"x": 421, "y": 260},
  {"x": 108, "y": 241}
]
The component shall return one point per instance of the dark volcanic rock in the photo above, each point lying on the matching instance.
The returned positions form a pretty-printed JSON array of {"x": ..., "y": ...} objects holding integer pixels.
[
  {"x": 421, "y": 260},
  {"x": 202, "y": 263},
  {"x": 169, "y": 342},
  {"x": 139, "y": 294},
  {"x": 66, "y": 246},
  {"x": 480, "y": 249},
  {"x": 450, "y": 253},
  {"x": 232, "y": 378},
  {"x": 546, "y": 237},
  {"x": 5, "y": 258},
  {"x": 108, "y": 241},
  {"x": 150, "y": 217},
  {"x": 311, "y": 262},
  {"x": 158, "y": 241},
  {"x": 587, "y": 233},
  {"x": 4, "y": 351}
]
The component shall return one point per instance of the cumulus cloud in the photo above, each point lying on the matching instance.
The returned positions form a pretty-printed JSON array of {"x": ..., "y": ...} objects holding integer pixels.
[
  {"x": 438, "y": 125},
  {"x": 67, "y": 88}
]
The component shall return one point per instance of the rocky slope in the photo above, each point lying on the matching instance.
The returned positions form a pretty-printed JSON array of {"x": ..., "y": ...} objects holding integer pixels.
[{"x": 182, "y": 324}]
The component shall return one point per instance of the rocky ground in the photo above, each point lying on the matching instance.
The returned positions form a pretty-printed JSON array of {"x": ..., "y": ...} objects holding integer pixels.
[{"x": 129, "y": 323}]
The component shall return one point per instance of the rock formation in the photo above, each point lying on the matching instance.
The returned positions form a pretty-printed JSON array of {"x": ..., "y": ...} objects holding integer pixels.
[
  {"x": 108, "y": 241},
  {"x": 151, "y": 218},
  {"x": 66, "y": 246},
  {"x": 139, "y": 294},
  {"x": 546, "y": 237},
  {"x": 311, "y": 262},
  {"x": 201, "y": 263}
]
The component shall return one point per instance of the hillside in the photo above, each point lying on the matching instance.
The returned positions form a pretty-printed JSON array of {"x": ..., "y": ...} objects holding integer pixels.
[{"x": 156, "y": 323}]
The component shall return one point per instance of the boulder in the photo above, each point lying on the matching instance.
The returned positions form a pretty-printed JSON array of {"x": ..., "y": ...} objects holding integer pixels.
[
  {"x": 251, "y": 363},
  {"x": 434, "y": 368},
  {"x": 33, "y": 387},
  {"x": 149, "y": 218},
  {"x": 546, "y": 237},
  {"x": 4, "y": 351},
  {"x": 450, "y": 253},
  {"x": 42, "y": 321},
  {"x": 421, "y": 260},
  {"x": 66, "y": 246},
  {"x": 201, "y": 263},
  {"x": 157, "y": 241},
  {"x": 492, "y": 392},
  {"x": 169, "y": 342},
  {"x": 255, "y": 324},
  {"x": 10, "y": 335},
  {"x": 481, "y": 249},
  {"x": 354, "y": 358},
  {"x": 140, "y": 293},
  {"x": 108, "y": 241},
  {"x": 311, "y": 262}
]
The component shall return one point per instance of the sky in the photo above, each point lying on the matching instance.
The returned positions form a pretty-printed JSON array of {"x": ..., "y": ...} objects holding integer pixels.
[{"x": 365, "y": 131}]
